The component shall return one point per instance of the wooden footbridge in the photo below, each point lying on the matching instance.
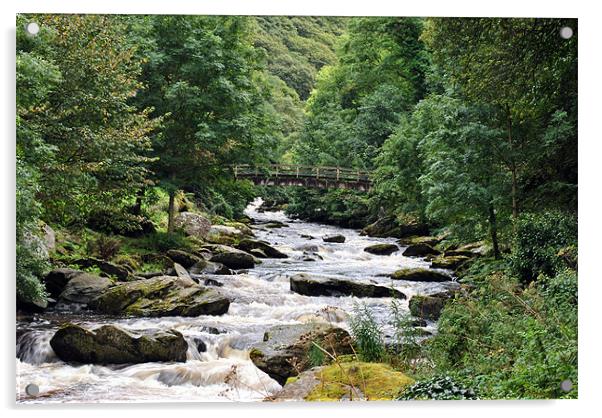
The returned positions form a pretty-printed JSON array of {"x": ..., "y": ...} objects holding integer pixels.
[{"x": 303, "y": 175}]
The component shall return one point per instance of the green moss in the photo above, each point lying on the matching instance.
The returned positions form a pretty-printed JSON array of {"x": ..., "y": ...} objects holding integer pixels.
[
  {"x": 377, "y": 381},
  {"x": 291, "y": 379}
]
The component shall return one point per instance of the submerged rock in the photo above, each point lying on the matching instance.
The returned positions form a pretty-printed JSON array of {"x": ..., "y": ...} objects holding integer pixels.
[
  {"x": 334, "y": 238},
  {"x": 270, "y": 252},
  {"x": 193, "y": 224},
  {"x": 419, "y": 250},
  {"x": 187, "y": 260},
  {"x": 112, "y": 345},
  {"x": 420, "y": 275},
  {"x": 274, "y": 225},
  {"x": 285, "y": 348},
  {"x": 329, "y": 286},
  {"x": 161, "y": 296},
  {"x": 382, "y": 249}
]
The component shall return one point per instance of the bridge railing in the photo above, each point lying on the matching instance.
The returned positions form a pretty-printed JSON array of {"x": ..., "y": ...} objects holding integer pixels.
[{"x": 301, "y": 171}]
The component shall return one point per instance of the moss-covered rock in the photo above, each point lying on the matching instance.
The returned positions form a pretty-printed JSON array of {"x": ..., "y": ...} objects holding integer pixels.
[
  {"x": 369, "y": 381},
  {"x": 420, "y": 275},
  {"x": 382, "y": 249},
  {"x": 417, "y": 239},
  {"x": 451, "y": 262},
  {"x": 248, "y": 245},
  {"x": 305, "y": 284},
  {"x": 112, "y": 345},
  {"x": 285, "y": 348},
  {"x": 225, "y": 235},
  {"x": 391, "y": 227},
  {"x": 161, "y": 296}
]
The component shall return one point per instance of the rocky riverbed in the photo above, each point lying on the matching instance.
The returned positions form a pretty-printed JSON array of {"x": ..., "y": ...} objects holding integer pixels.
[{"x": 303, "y": 277}]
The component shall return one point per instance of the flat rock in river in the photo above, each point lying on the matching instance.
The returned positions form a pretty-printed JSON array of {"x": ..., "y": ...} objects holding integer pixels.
[
  {"x": 329, "y": 286},
  {"x": 161, "y": 296},
  {"x": 112, "y": 345}
]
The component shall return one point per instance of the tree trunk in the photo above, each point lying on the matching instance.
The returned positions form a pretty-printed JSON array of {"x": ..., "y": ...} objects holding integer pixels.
[
  {"x": 493, "y": 231},
  {"x": 513, "y": 169},
  {"x": 137, "y": 208},
  {"x": 171, "y": 212}
]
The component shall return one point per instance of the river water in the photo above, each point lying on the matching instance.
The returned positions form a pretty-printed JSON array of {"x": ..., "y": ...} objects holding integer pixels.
[{"x": 260, "y": 298}]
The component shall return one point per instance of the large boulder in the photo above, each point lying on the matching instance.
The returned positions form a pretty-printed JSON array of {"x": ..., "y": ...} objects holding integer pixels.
[
  {"x": 57, "y": 279},
  {"x": 389, "y": 226},
  {"x": 382, "y": 249},
  {"x": 285, "y": 348},
  {"x": 420, "y": 275},
  {"x": 270, "y": 252},
  {"x": 161, "y": 296},
  {"x": 112, "y": 345},
  {"x": 338, "y": 238},
  {"x": 419, "y": 250},
  {"x": 84, "y": 287},
  {"x": 329, "y": 286},
  {"x": 232, "y": 257},
  {"x": 223, "y": 234},
  {"x": 183, "y": 258},
  {"x": 193, "y": 224}
]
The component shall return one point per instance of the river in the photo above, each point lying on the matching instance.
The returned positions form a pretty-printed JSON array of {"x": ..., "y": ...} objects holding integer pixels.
[{"x": 260, "y": 298}]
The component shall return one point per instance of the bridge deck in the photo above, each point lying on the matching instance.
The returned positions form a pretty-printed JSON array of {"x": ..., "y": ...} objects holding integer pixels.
[{"x": 303, "y": 175}]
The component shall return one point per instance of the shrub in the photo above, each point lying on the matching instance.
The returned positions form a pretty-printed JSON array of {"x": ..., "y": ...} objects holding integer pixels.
[
  {"x": 513, "y": 342},
  {"x": 104, "y": 247},
  {"x": 405, "y": 337},
  {"x": 538, "y": 240},
  {"x": 120, "y": 222},
  {"x": 31, "y": 262},
  {"x": 367, "y": 334},
  {"x": 163, "y": 241},
  {"x": 439, "y": 388}
]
